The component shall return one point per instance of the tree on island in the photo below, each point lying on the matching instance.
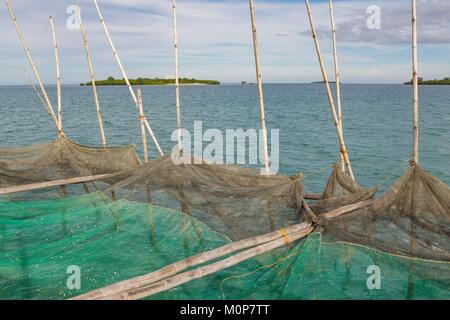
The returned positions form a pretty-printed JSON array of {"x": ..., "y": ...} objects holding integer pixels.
[{"x": 436, "y": 82}]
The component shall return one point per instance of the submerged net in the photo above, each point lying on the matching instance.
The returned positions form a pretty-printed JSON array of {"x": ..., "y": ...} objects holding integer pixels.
[
  {"x": 61, "y": 159},
  {"x": 114, "y": 241},
  {"x": 108, "y": 241}
]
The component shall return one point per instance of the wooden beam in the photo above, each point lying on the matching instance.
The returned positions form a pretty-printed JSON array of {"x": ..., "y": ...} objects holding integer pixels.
[
  {"x": 143, "y": 133},
  {"x": 337, "y": 74},
  {"x": 92, "y": 77},
  {"x": 58, "y": 72},
  {"x": 177, "y": 75},
  {"x": 54, "y": 183},
  {"x": 415, "y": 81},
  {"x": 260, "y": 90},
  {"x": 125, "y": 77},
  {"x": 33, "y": 67},
  {"x": 339, "y": 131},
  {"x": 312, "y": 196}
]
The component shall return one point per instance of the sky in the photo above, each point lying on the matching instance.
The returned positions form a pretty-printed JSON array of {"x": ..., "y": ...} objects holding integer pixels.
[{"x": 215, "y": 40}]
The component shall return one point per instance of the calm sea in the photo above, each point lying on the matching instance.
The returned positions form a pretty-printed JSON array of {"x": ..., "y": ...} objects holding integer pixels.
[{"x": 377, "y": 121}]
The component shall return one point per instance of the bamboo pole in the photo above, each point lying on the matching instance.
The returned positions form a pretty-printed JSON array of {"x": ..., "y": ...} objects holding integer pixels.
[
  {"x": 58, "y": 72},
  {"x": 142, "y": 117},
  {"x": 50, "y": 184},
  {"x": 125, "y": 77},
  {"x": 174, "y": 268},
  {"x": 177, "y": 75},
  {"x": 260, "y": 89},
  {"x": 337, "y": 75},
  {"x": 33, "y": 67},
  {"x": 415, "y": 156},
  {"x": 204, "y": 271},
  {"x": 343, "y": 149},
  {"x": 92, "y": 78}
]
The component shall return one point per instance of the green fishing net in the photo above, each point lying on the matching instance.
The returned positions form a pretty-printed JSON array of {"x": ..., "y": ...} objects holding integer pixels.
[
  {"x": 114, "y": 241},
  {"x": 108, "y": 241},
  {"x": 313, "y": 269}
]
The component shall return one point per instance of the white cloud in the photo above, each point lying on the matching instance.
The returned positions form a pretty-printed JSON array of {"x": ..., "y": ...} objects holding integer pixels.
[{"x": 215, "y": 39}]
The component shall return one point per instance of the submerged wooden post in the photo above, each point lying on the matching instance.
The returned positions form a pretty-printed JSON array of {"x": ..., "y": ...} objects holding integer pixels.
[
  {"x": 415, "y": 82},
  {"x": 125, "y": 77},
  {"x": 33, "y": 67},
  {"x": 339, "y": 131},
  {"x": 337, "y": 75},
  {"x": 92, "y": 78},
  {"x": 58, "y": 73},
  {"x": 260, "y": 90},
  {"x": 177, "y": 75},
  {"x": 142, "y": 117}
]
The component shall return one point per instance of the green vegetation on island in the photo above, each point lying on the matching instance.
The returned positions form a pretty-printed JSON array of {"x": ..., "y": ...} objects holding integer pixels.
[
  {"x": 149, "y": 82},
  {"x": 435, "y": 82}
]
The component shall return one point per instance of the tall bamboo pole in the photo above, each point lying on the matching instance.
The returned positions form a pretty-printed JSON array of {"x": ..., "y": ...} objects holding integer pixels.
[
  {"x": 343, "y": 149},
  {"x": 337, "y": 74},
  {"x": 125, "y": 77},
  {"x": 92, "y": 77},
  {"x": 33, "y": 67},
  {"x": 142, "y": 117},
  {"x": 177, "y": 74},
  {"x": 415, "y": 156},
  {"x": 58, "y": 72},
  {"x": 260, "y": 90}
]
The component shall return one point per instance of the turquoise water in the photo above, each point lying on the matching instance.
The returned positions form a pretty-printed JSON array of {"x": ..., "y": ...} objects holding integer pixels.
[{"x": 377, "y": 120}]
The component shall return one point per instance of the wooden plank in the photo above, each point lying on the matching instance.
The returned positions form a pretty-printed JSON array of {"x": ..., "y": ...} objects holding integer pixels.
[{"x": 50, "y": 184}]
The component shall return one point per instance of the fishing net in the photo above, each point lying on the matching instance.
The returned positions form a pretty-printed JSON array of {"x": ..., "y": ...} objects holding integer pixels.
[
  {"x": 412, "y": 218},
  {"x": 61, "y": 159},
  {"x": 41, "y": 242},
  {"x": 108, "y": 241},
  {"x": 313, "y": 269},
  {"x": 404, "y": 234},
  {"x": 341, "y": 190},
  {"x": 234, "y": 200}
]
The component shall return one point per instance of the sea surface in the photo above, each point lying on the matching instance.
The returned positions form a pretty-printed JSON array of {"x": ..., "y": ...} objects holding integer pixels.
[{"x": 377, "y": 123}]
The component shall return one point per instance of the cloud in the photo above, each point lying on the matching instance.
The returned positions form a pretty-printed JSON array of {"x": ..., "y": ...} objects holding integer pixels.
[
  {"x": 433, "y": 23},
  {"x": 215, "y": 39}
]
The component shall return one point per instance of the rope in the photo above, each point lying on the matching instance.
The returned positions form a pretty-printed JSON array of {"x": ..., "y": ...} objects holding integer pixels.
[
  {"x": 403, "y": 164},
  {"x": 280, "y": 260},
  {"x": 313, "y": 173},
  {"x": 285, "y": 236}
]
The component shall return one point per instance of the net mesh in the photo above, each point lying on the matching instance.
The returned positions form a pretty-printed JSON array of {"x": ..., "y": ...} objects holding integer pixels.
[
  {"x": 235, "y": 200},
  {"x": 412, "y": 218},
  {"x": 341, "y": 190},
  {"x": 61, "y": 159},
  {"x": 405, "y": 233}
]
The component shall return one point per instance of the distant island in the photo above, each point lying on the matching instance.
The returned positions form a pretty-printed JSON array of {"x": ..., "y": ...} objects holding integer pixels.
[
  {"x": 322, "y": 82},
  {"x": 435, "y": 82},
  {"x": 149, "y": 82}
]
